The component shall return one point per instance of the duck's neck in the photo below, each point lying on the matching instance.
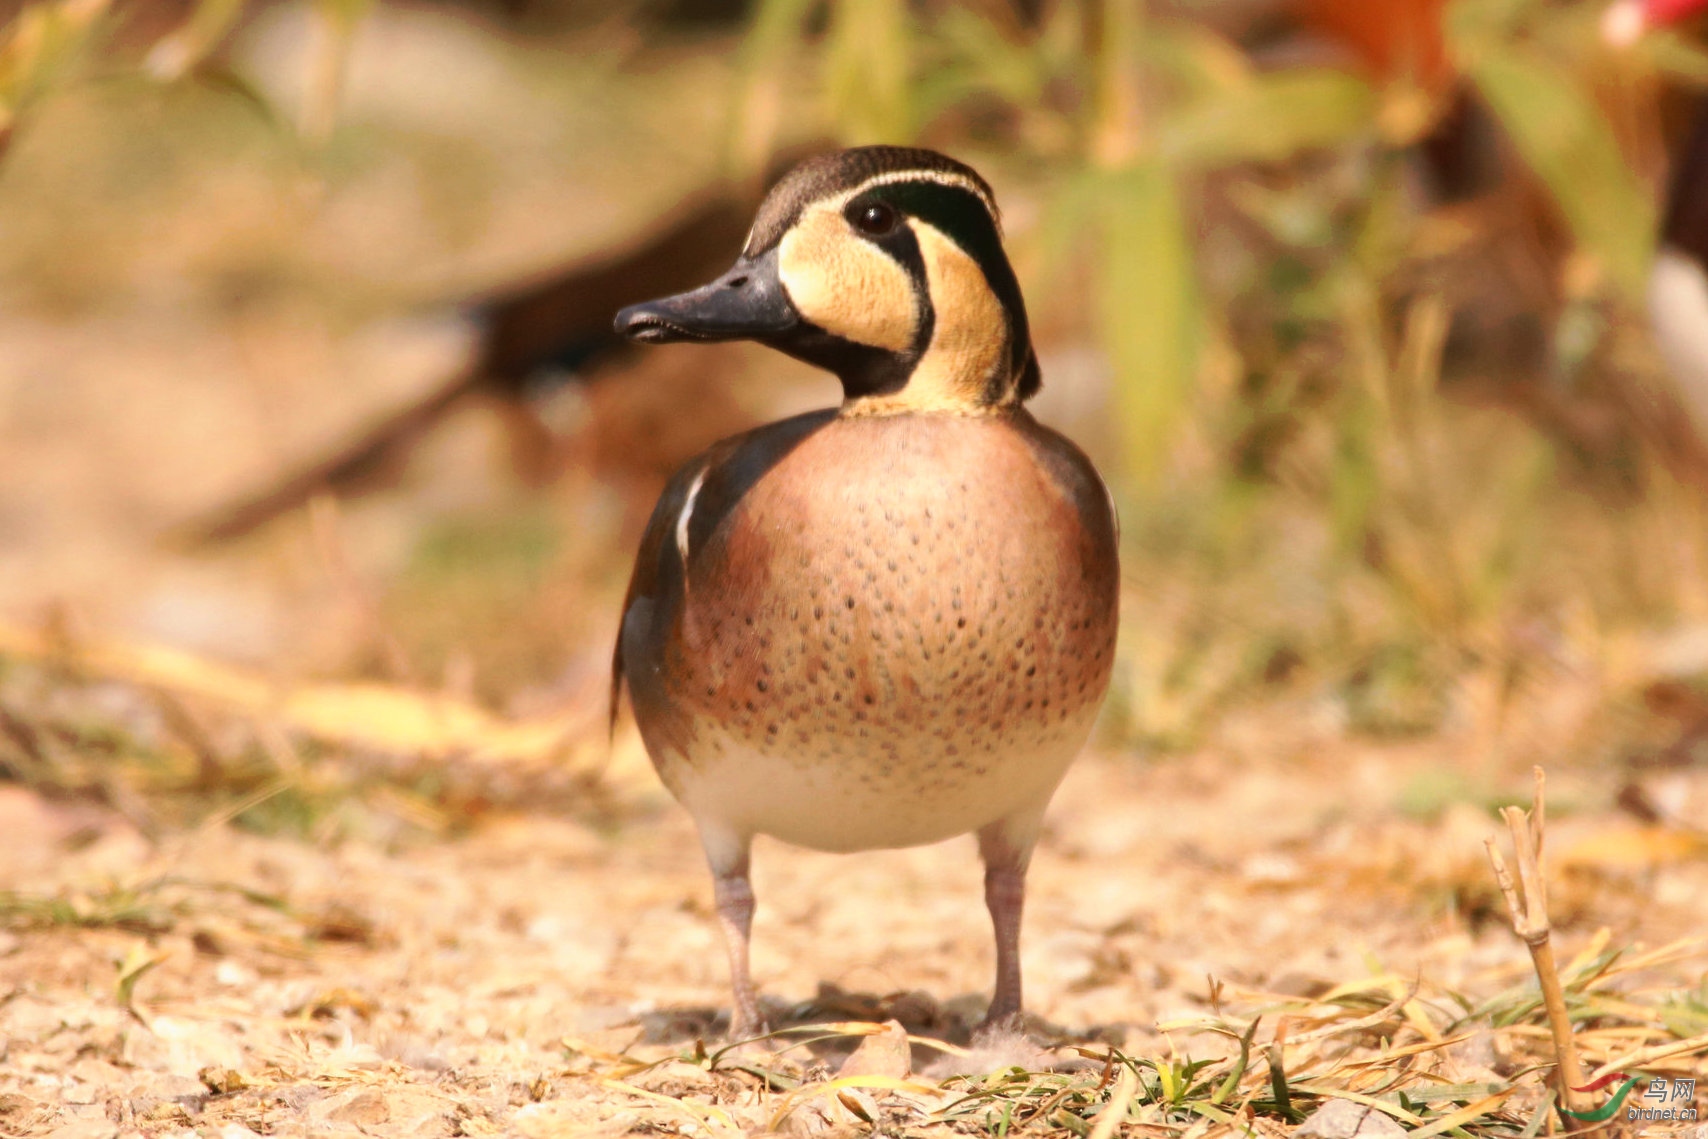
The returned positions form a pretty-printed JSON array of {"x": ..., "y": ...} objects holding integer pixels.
[{"x": 977, "y": 361}]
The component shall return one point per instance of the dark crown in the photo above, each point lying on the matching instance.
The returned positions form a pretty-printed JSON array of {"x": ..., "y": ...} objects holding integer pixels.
[{"x": 827, "y": 175}]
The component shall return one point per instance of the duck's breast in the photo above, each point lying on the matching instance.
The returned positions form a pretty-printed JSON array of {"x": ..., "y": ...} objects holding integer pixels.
[{"x": 901, "y": 631}]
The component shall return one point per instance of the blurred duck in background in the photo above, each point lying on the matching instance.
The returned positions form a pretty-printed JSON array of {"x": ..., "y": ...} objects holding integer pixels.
[
  {"x": 533, "y": 337},
  {"x": 554, "y": 329},
  {"x": 1678, "y": 283}
]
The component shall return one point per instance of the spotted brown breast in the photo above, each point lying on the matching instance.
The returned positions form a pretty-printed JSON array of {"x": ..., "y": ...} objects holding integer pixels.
[{"x": 891, "y": 629}]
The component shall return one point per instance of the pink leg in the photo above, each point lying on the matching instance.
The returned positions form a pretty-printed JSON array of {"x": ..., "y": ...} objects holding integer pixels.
[
  {"x": 733, "y": 894},
  {"x": 1005, "y": 862}
]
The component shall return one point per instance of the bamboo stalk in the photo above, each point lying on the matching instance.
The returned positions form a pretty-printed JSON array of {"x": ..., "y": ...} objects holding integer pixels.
[{"x": 1527, "y": 902}]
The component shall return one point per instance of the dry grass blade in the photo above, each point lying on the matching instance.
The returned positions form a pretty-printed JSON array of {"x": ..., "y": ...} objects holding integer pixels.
[
  {"x": 1464, "y": 1115},
  {"x": 705, "y": 1115},
  {"x": 386, "y": 718},
  {"x": 1694, "y": 1046},
  {"x": 1557, "y": 126},
  {"x": 809, "y": 1092},
  {"x": 1120, "y": 1102}
]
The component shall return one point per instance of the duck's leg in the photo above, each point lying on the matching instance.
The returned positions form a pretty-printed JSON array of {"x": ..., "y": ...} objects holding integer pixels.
[
  {"x": 1006, "y": 847},
  {"x": 727, "y": 853}
]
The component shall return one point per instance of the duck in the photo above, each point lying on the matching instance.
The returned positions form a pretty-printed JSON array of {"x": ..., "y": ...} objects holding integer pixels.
[
  {"x": 1678, "y": 276},
  {"x": 888, "y": 622},
  {"x": 531, "y": 335}
]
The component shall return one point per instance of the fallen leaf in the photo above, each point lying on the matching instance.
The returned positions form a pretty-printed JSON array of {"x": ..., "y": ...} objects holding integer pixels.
[
  {"x": 885, "y": 1054},
  {"x": 1632, "y": 848}
]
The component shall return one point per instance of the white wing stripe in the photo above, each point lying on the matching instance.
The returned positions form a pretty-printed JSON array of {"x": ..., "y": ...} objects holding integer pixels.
[{"x": 687, "y": 512}]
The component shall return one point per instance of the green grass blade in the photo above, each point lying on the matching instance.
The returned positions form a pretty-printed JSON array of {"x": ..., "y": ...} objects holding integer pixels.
[
  {"x": 1150, "y": 308},
  {"x": 867, "y": 61}
]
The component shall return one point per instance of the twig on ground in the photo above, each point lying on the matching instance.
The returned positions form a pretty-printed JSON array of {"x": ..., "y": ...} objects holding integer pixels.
[
  {"x": 1695, "y": 1045},
  {"x": 1527, "y": 901}
]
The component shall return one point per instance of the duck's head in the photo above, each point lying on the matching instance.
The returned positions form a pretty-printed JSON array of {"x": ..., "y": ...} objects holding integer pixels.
[{"x": 881, "y": 264}]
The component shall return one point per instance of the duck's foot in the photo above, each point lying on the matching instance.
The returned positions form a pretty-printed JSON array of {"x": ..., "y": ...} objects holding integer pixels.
[
  {"x": 746, "y": 1025},
  {"x": 1001, "y": 1026}
]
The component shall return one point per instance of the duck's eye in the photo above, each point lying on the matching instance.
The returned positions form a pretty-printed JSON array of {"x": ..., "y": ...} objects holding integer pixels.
[{"x": 875, "y": 219}]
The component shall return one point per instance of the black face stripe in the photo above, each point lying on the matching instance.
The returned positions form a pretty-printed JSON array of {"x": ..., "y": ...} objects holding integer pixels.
[
  {"x": 1031, "y": 378},
  {"x": 962, "y": 217},
  {"x": 863, "y": 370},
  {"x": 902, "y": 245}
]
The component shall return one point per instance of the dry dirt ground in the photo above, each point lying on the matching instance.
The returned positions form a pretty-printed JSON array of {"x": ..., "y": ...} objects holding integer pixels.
[{"x": 517, "y": 978}]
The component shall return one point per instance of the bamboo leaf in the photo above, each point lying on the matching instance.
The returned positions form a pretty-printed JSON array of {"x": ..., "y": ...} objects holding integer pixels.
[
  {"x": 43, "y": 43},
  {"x": 1567, "y": 141},
  {"x": 1474, "y": 26},
  {"x": 177, "y": 52},
  {"x": 1674, "y": 56},
  {"x": 771, "y": 38},
  {"x": 1150, "y": 307},
  {"x": 1270, "y": 118},
  {"x": 866, "y": 69},
  {"x": 978, "y": 58}
]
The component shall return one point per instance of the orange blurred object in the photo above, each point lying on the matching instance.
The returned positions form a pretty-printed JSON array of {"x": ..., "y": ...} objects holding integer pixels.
[{"x": 1390, "y": 37}]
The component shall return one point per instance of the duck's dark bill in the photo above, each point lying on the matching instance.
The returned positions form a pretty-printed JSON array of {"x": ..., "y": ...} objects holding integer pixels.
[{"x": 748, "y": 301}]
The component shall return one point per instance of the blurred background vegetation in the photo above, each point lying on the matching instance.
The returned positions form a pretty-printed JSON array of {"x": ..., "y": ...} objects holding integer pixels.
[{"x": 1347, "y": 298}]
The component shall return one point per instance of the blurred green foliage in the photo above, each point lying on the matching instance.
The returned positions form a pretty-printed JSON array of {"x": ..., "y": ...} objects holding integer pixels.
[
  {"x": 1119, "y": 116},
  {"x": 41, "y": 46}
]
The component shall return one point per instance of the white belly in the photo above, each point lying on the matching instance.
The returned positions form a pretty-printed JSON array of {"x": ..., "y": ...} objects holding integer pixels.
[{"x": 869, "y": 800}]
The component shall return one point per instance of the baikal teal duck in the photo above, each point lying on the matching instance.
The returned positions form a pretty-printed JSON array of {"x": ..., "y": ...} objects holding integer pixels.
[{"x": 885, "y": 623}]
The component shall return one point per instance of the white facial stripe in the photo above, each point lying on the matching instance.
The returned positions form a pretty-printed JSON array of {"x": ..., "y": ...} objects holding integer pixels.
[
  {"x": 836, "y": 202},
  {"x": 890, "y": 178},
  {"x": 939, "y": 177},
  {"x": 687, "y": 512}
]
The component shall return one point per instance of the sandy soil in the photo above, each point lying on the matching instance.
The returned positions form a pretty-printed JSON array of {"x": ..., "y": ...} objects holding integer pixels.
[{"x": 488, "y": 984}]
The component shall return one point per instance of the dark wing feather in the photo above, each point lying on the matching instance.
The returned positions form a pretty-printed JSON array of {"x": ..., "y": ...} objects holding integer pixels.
[
  {"x": 731, "y": 467},
  {"x": 653, "y": 564}
]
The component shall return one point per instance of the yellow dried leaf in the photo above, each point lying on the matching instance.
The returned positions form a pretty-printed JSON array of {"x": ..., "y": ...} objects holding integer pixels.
[{"x": 1633, "y": 848}]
